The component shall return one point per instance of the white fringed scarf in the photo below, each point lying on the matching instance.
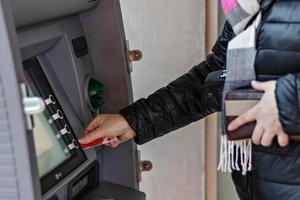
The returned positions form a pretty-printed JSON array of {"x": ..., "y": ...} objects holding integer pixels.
[{"x": 241, "y": 52}]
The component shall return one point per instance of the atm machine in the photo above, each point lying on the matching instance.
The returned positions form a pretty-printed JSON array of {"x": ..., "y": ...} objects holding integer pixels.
[{"x": 62, "y": 63}]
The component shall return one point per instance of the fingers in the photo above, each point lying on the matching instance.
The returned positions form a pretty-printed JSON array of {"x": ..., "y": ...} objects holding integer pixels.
[
  {"x": 114, "y": 144},
  {"x": 121, "y": 139},
  {"x": 283, "y": 139},
  {"x": 265, "y": 116},
  {"x": 257, "y": 134},
  {"x": 125, "y": 137},
  {"x": 260, "y": 137},
  {"x": 93, "y": 125},
  {"x": 92, "y": 136},
  {"x": 267, "y": 139},
  {"x": 245, "y": 118},
  {"x": 260, "y": 86}
]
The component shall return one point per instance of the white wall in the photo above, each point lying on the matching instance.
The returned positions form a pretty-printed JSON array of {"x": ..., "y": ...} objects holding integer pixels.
[{"x": 171, "y": 35}]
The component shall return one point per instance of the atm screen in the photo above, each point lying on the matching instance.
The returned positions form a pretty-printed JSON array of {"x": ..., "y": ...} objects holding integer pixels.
[
  {"x": 50, "y": 150},
  {"x": 56, "y": 146}
]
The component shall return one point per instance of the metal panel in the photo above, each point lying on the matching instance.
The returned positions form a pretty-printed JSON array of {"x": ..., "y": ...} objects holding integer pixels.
[
  {"x": 19, "y": 167},
  {"x": 53, "y": 43},
  {"x": 28, "y": 12},
  {"x": 104, "y": 31}
]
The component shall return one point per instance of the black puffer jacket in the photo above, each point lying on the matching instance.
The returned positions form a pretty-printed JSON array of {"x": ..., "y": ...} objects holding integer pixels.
[
  {"x": 183, "y": 101},
  {"x": 276, "y": 170}
]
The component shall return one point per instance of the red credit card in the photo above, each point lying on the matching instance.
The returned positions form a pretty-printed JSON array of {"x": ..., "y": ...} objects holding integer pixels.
[{"x": 98, "y": 142}]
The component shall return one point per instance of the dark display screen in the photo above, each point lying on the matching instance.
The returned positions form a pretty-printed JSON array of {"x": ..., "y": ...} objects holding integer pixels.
[{"x": 51, "y": 149}]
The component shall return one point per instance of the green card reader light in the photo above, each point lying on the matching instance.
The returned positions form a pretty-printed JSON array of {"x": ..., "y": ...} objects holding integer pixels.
[{"x": 94, "y": 94}]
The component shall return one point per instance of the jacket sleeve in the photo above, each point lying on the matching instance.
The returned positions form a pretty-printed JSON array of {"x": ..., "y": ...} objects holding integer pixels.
[
  {"x": 183, "y": 101},
  {"x": 288, "y": 103}
]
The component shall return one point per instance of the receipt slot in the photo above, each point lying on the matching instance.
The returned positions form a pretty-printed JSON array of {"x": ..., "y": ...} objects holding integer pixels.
[{"x": 62, "y": 63}]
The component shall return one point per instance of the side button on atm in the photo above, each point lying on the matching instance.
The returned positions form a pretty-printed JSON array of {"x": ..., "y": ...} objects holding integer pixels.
[{"x": 33, "y": 105}]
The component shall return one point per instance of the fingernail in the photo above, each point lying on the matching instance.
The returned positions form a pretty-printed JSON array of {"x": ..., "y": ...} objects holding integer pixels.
[{"x": 229, "y": 127}]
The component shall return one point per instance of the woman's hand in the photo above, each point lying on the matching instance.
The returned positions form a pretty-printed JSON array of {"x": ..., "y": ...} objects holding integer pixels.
[
  {"x": 112, "y": 126},
  {"x": 265, "y": 113}
]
